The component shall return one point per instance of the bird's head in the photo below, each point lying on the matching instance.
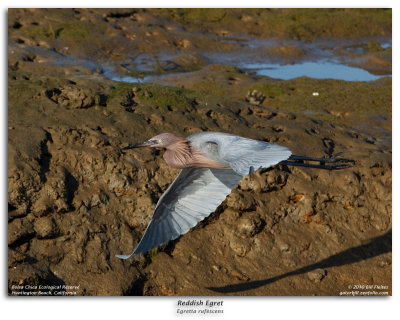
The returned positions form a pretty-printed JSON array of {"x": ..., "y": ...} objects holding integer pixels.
[{"x": 162, "y": 140}]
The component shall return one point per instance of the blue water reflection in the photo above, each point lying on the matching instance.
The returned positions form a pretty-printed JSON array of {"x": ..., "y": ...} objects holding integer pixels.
[{"x": 316, "y": 70}]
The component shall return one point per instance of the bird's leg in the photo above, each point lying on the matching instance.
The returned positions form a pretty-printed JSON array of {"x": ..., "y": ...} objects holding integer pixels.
[{"x": 332, "y": 163}]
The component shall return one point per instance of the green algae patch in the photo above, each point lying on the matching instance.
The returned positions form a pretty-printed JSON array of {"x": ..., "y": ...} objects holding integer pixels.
[
  {"x": 73, "y": 30},
  {"x": 151, "y": 256},
  {"x": 303, "y": 23},
  {"x": 186, "y": 15},
  {"x": 216, "y": 80},
  {"x": 322, "y": 99},
  {"x": 167, "y": 97},
  {"x": 211, "y": 86},
  {"x": 18, "y": 89},
  {"x": 119, "y": 89},
  {"x": 159, "y": 96},
  {"x": 313, "y": 23},
  {"x": 40, "y": 32},
  {"x": 331, "y": 96}
]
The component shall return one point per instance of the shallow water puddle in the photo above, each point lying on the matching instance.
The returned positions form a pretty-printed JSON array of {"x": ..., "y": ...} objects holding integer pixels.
[
  {"x": 316, "y": 70},
  {"x": 325, "y": 66}
]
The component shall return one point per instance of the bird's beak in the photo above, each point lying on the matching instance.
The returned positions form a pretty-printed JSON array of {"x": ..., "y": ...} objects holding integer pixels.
[{"x": 147, "y": 143}]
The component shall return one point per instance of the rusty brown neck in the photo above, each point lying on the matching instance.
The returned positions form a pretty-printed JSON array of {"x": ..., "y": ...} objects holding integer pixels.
[{"x": 180, "y": 155}]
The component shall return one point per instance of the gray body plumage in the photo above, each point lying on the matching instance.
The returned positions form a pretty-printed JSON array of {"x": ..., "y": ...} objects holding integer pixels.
[{"x": 197, "y": 192}]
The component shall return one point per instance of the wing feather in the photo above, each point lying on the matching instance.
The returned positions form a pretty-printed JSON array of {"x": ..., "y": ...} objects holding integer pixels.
[
  {"x": 176, "y": 225},
  {"x": 194, "y": 194},
  {"x": 250, "y": 155},
  {"x": 243, "y": 155}
]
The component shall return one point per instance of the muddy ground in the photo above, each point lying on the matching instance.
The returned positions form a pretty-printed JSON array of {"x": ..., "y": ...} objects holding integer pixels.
[{"x": 75, "y": 199}]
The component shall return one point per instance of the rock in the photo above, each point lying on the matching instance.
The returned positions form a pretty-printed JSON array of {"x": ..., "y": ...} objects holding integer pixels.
[
  {"x": 297, "y": 198},
  {"x": 131, "y": 36},
  {"x": 216, "y": 268},
  {"x": 19, "y": 230},
  {"x": 348, "y": 206},
  {"x": 94, "y": 200},
  {"x": 241, "y": 201},
  {"x": 249, "y": 225},
  {"x": 156, "y": 119},
  {"x": 284, "y": 247},
  {"x": 15, "y": 257},
  {"x": 26, "y": 40},
  {"x": 30, "y": 275},
  {"x": 56, "y": 193},
  {"x": 279, "y": 128},
  {"x": 385, "y": 263},
  {"x": 46, "y": 227},
  {"x": 127, "y": 100},
  {"x": 20, "y": 211},
  {"x": 255, "y": 97},
  {"x": 317, "y": 275},
  {"x": 183, "y": 43},
  {"x": 240, "y": 275},
  {"x": 117, "y": 184},
  {"x": 239, "y": 245},
  {"x": 301, "y": 210},
  {"x": 50, "y": 199},
  {"x": 253, "y": 182},
  {"x": 73, "y": 97},
  {"x": 223, "y": 32},
  {"x": 135, "y": 89},
  {"x": 167, "y": 291},
  {"x": 48, "y": 250},
  {"x": 246, "y": 18}
]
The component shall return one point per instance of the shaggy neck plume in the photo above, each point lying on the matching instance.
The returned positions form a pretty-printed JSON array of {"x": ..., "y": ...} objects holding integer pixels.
[{"x": 180, "y": 155}]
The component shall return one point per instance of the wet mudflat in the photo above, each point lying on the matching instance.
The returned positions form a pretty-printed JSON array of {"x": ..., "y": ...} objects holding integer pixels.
[{"x": 75, "y": 200}]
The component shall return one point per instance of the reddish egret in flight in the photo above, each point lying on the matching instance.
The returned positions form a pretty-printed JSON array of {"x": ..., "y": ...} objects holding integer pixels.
[{"x": 212, "y": 164}]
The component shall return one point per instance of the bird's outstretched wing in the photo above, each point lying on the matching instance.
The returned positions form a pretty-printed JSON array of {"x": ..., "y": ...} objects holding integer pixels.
[
  {"x": 246, "y": 155},
  {"x": 243, "y": 155},
  {"x": 194, "y": 194}
]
